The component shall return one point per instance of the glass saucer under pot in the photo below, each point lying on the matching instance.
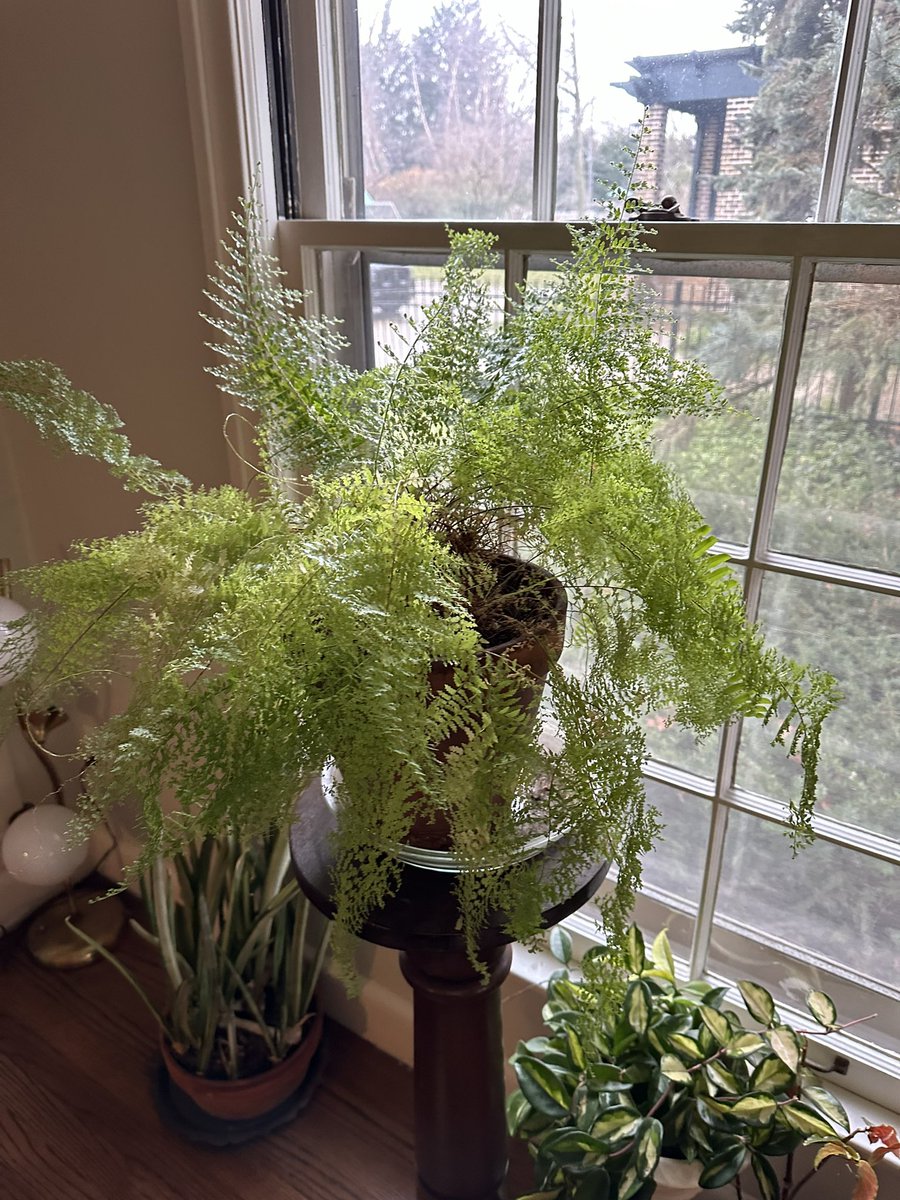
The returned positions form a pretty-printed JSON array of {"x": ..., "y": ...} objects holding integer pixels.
[{"x": 446, "y": 860}]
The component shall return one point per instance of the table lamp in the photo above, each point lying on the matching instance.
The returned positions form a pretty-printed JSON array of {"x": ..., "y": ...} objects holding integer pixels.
[{"x": 37, "y": 847}]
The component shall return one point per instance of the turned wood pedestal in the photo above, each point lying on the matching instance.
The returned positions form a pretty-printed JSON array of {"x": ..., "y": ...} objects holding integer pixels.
[{"x": 460, "y": 1125}]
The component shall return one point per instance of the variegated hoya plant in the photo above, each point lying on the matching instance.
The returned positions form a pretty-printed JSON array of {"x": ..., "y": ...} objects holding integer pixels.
[{"x": 673, "y": 1072}]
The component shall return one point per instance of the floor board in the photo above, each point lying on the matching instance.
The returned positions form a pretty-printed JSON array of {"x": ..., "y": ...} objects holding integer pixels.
[{"x": 77, "y": 1119}]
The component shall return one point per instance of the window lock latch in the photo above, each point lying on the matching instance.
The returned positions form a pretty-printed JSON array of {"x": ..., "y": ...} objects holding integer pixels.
[{"x": 839, "y": 1066}]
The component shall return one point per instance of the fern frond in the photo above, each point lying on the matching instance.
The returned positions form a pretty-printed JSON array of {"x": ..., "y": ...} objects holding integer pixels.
[{"x": 70, "y": 419}]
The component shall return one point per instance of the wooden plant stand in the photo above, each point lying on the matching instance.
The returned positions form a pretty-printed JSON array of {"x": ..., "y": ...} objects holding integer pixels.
[{"x": 460, "y": 1125}]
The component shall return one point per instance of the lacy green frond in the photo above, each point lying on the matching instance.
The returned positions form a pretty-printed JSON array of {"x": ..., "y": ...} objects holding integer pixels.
[{"x": 70, "y": 419}]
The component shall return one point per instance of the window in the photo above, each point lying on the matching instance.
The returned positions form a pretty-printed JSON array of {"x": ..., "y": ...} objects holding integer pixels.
[{"x": 779, "y": 125}]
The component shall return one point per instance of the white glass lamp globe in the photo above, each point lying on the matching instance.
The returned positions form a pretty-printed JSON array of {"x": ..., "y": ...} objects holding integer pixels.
[
  {"x": 36, "y": 847},
  {"x": 9, "y": 612}
]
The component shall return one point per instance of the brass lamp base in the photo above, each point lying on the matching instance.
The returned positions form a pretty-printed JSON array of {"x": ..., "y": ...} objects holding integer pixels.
[{"x": 54, "y": 944}]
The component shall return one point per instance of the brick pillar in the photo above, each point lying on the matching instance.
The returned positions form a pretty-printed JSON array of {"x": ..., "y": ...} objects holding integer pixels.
[
  {"x": 736, "y": 155},
  {"x": 707, "y": 155},
  {"x": 653, "y": 153}
]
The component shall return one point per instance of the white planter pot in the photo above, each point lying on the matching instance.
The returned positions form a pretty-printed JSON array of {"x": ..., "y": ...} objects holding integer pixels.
[{"x": 676, "y": 1179}]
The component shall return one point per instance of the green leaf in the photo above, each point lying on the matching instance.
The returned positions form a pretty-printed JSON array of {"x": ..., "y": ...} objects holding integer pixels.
[
  {"x": 787, "y": 1046},
  {"x": 805, "y": 1121},
  {"x": 686, "y": 1046},
  {"x": 630, "y": 1183},
  {"x": 517, "y": 1109},
  {"x": 542, "y": 1087},
  {"x": 587, "y": 1108},
  {"x": 710, "y": 1113},
  {"x": 723, "y": 1166},
  {"x": 534, "y": 1046},
  {"x": 721, "y": 1077},
  {"x": 766, "y": 1179},
  {"x": 649, "y": 1140},
  {"x": 716, "y": 1024},
  {"x": 771, "y": 1075},
  {"x": 673, "y": 1068},
  {"x": 755, "y": 1109},
  {"x": 615, "y": 1124},
  {"x": 759, "y": 1003},
  {"x": 744, "y": 1044},
  {"x": 661, "y": 954},
  {"x": 638, "y": 1002},
  {"x": 570, "y": 993},
  {"x": 827, "y": 1104},
  {"x": 556, "y": 1012},
  {"x": 634, "y": 950},
  {"x": 602, "y": 1074},
  {"x": 714, "y": 997},
  {"x": 822, "y": 1008},
  {"x": 570, "y": 1140},
  {"x": 560, "y": 944},
  {"x": 575, "y": 1049}
]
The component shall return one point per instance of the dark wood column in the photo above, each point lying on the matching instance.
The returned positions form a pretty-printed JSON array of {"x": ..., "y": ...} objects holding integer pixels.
[
  {"x": 459, "y": 1085},
  {"x": 460, "y": 1108}
]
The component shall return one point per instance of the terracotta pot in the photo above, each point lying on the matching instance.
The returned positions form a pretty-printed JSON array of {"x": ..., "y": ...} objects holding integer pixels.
[
  {"x": 244, "y": 1099},
  {"x": 534, "y": 653},
  {"x": 676, "y": 1179}
]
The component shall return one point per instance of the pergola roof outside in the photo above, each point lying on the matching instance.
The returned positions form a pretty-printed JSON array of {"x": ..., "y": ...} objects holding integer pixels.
[{"x": 689, "y": 81}]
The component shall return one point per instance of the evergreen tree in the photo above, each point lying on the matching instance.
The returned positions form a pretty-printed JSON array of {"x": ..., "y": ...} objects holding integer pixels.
[
  {"x": 789, "y": 122},
  {"x": 446, "y": 132},
  {"x": 390, "y": 117}
]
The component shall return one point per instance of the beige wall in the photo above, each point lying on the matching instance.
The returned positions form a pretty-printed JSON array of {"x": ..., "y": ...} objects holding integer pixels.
[{"x": 101, "y": 265}]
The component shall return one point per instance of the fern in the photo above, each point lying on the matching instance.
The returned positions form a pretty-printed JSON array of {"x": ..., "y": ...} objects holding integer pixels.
[{"x": 265, "y": 636}]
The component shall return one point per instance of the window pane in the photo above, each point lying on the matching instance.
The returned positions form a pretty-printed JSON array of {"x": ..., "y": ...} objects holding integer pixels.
[
  {"x": 839, "y": 495},
  {"x": 669, "y": 744},
  {"x": 447, "y": 94},
  {"x": 400, "y": 290},
  {"x": 830, "y": 910},
  {"x": 872, "y": 188},
  {"x": 856, "y": 636},
  {"x": 734, "y": 326},
  {"x": 738, "y": 100},
  {"x": 674, "y": 868}
]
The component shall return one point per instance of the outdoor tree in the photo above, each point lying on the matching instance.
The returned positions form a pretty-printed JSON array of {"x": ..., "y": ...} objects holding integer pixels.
[
  {"x": 391, "y": 120},
  {"x": 788, "y": 125},
  {"x": 447, "y": 122}
]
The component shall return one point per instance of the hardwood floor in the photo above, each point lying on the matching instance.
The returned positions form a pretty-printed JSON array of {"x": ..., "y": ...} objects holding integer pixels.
[{"x": 77, "y": 1119}]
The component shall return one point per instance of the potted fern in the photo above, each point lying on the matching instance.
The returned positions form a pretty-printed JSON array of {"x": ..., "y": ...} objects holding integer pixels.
[
  {"x": 396, "y": 615},
  {"x": 239, "y": 1028}
]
